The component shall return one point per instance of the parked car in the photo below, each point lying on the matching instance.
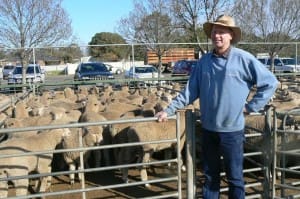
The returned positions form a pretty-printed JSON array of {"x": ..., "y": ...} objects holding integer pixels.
[
  {"x": 144, "y": 72},
  {"x": 34, "y": 74},
  {"x": 114, "y": 69},
  {"x": 7, "y": 70},
  {"x": 92, "y": 71},
  {"x": 281, "y": 65},
  {"x": 183, "y": 67}
]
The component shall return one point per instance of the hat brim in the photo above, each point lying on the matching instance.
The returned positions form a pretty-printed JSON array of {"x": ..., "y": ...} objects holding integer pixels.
[{"x": 207, "y": 27}]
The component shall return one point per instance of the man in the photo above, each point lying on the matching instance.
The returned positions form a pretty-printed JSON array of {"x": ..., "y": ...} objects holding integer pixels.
[{"x": 222, "y": 81}]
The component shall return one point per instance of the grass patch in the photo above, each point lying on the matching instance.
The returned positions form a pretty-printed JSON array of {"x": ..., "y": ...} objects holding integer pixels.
[{"x": 55, "y": 73}]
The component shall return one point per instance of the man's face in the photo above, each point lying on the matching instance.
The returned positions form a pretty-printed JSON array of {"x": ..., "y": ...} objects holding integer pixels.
[{"x": 221, "y": 36}]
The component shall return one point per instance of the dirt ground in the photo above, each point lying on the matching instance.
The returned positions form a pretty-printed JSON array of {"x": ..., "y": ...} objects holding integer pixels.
[{"x": 106, "y": 178}]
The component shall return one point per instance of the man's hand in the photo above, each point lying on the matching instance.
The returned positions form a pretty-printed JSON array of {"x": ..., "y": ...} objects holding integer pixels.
[{"x": 162, "y": 116}]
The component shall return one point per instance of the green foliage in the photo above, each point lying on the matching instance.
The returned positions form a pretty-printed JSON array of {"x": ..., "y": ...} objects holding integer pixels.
[
  {"x": 51, "y": 56},
  {"x": 105, "y": 48}
]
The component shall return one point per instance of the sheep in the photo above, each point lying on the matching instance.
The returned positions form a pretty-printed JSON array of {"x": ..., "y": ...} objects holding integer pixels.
[
  {"x": 145, "y": 132},
  {"x": 149, "y": 109},
  {"x": 93, "y": 104},
  {"x": 135, "y": 99},
  {"x": 36, "y": 106},
  {"x": 95, "y": 90},
  {"x": 256, "y": 124},
  {"x": 54, "y": 114},
  {"x": 66, "y": 104},
  {"x": 105, "y": 96},
  {"x": 20, "y": 110},
  {"x": 83, "y": 90},
  {"x": 111, "y": 115},
  {"x": 69, "y": 94},
  {"x": 122, "y": 107},
  {"x": 91, "y": 135},
  {"x": 23, "y": 165}
]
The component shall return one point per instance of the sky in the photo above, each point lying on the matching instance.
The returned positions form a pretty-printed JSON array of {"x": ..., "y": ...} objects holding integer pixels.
[{"x": 94, "y": 16}]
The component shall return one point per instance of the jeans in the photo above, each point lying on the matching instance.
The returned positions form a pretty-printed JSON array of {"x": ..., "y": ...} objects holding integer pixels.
[{"x": 229, "y": 145}]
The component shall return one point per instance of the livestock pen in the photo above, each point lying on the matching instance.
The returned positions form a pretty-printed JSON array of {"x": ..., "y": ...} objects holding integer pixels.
[{"x": 105, "y": 181}]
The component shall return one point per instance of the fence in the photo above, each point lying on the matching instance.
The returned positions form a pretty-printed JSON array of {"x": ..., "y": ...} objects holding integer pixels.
[
  {"x": 82, "y": 149},
  {"x": 263, "y": 183},
  {"x": 286, "y": 158},
  {"x": 125, "y": 55}
]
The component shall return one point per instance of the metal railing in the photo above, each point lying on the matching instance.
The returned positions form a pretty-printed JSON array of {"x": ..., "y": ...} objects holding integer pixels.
[
  {"x": 81, "y": 149},
  {"x": 286, "y": 144}
]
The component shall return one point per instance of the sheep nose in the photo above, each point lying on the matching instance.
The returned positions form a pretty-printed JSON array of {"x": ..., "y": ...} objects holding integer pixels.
[{"x": 99, "y": 139}]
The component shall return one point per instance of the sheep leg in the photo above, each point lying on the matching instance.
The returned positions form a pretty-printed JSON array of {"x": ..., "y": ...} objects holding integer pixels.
[
  {"x": 3, "y": 188},
  {"x": 72, "y": 167},
  {"x": 21, "y": 186},
  {"x": 97, "y": 157},
  {"x": 48, "y": 178},
  {"x": 125, "y": 174},
  {"x": 143, "y": 170},
  {"x": 43, "y": 183},
  {"x": 41, "y": 186},
  {"x": 106, "y": 155},
  {"x": 168, "y": 155}
]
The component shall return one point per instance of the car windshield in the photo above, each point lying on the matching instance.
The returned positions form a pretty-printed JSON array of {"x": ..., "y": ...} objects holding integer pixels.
[
  {"x": 277, "y": 62},
  {"x": 145, "y": 70},
  {"x": 93, "y": 68},
  {"x": 9, "y": 67},
  {"x": 18, "y": 70},
  {"x": 31, "y": 69},
  {"x": 289, "y": 61}
]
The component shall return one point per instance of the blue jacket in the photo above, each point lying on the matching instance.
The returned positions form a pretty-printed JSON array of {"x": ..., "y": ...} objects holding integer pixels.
[{"x": 223, "y": 84}]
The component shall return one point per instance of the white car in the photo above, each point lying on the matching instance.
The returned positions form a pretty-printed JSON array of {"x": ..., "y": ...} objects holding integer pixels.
[
  {"x": 34, "y": 74},
  {"x": 114, "y": 69},
  {"x": 7, "y": 70},
  {"x": 281, "y": 65},
  {"x": 148, "y": 72}
]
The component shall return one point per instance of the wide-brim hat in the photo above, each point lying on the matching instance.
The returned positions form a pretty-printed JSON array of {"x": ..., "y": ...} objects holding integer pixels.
[{"x": 227, "y": 21}]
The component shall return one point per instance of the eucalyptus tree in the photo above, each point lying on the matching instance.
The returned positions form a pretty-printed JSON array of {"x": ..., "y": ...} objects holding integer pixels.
[{"x": 26, "y": 24}]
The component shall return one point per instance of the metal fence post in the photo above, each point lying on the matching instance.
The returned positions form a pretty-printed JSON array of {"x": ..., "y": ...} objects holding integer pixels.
[
  {"x": 190, "y": 155},
  {"x": 81, "y": 153},
  {"x": 267, "y": 153},
  {"x": 274, "y": 150}
]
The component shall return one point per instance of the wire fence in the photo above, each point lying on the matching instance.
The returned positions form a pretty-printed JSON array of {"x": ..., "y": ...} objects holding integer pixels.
[{"x": 122, "y": 56}]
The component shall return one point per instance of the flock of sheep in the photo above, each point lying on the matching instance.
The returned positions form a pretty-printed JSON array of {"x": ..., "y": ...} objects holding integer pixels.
[{"x": 87, "y": 105}]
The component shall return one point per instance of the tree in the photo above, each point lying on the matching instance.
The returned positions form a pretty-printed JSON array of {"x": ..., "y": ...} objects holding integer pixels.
[
  {"x": 104, "y": 48},
  {"x": 150, "y": 24},
  {"x": 26, "y": 24},
  {"x": 274, "y": 21},
  {"x": 51, "y": 56},
  {"x": 189, "y": 14}
]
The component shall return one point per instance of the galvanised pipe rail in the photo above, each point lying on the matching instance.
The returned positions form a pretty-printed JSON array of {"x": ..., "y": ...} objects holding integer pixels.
[{"x": 83, "y": 190}]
